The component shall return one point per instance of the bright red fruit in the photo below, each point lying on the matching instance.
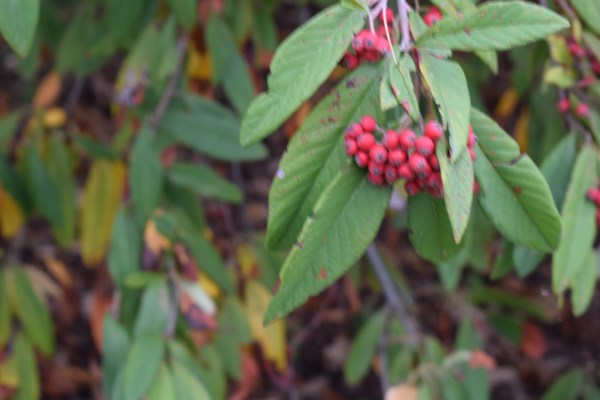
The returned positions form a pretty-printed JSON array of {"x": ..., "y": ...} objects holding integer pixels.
[
  {"x": 473, "y": 154},
  {"x": 419, "y": 165},
  {"x": 365, "y": 141},
  {"x": 563, "y": 105},
  {"x": 389, "y": 16},
  {"x": 582, "y": 110},
  {"x": 407, "y": 139},
  {"x": 351, "y": 147},
  {"x": 382, "y": 45},
  {"x": 391, "y": 140},
  {"x": 378, "y": 153},
  {"x": 362, "y": 159},
  {"x": 405, "y": 172},
  {"x": 434, "y": 130},
  {"x": 432, "y": 16},
  {"x": 390, "y": 174},
  {"x": 375, "y": 168},
  {"x": 375, "y": 179},
  {"x": 353, "y": 131},
  {"x": 368, "y": 123},
  {"x": 350, "y": 61},
  {"x": 425, "y": 146},
  {"x": 434, "y": 163},
  {"x": 396, "y": 157},
  {"x": 411, "y": 188}
]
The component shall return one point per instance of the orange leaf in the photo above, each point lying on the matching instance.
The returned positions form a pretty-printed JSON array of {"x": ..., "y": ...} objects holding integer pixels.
[{"x": 48, "y": 90}]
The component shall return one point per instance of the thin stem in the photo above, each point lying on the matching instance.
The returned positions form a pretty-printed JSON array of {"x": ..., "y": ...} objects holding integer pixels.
[
  {"x": 387, "y": 34},
  {"x": 403, "y": 9}
]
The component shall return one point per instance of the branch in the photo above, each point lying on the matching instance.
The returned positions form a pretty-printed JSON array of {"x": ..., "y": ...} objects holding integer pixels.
[
  {"x": 392, "y": 295},
  {"x": 404, "y": 25}
]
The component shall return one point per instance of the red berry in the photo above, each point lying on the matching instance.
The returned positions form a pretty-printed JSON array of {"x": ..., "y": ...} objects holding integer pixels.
[
  {"x": 405, "y": 172},
  {"x": 425, "y": 146},
  {"x": 396, "y": 157},
  {"x": 563, "y": 105},
  {"x": 369, "y": 56},
  {"x": 375, "y": 179},
  {"x": 350, "y": 61},
  {"x": 473, "y": 154},
  {"x": 407, "y": 139},
  {"x": 389, "y": 16},
  {"x": 419, "y": 165},
  {"x": 596, "y": 66},
  {"x": 382, "y": 45},
  {"x": 598, "y": 218},
  {"x": 593, "y": 195},
  {"x": 434, "y": 130},
  {"x": 362, "y": 159},
  {"x": 353, "y": 131},
  {"x": 435, "y": 180},
  {"x": 411, "y": 188},
  {"x": 351, "y": 147},
  {"x": 391, "y": 140},
  {"x": 370, "y": 42},
  {"x": 432, "y": 16},
  {"x": 390, "y": 174},
  {"x": 368, "y": 123},
  {"x": 582, "y": 110},
  {"x": 471, "y": 140},
  {"x": 476, "y": 187},
  {"x": 375, "y": 168},
  {"x": 434, "y": 163},
  {"x": 378, "y": 154},
  {"x": 576, "y": 50},
  {"x": 365, "y": 141},
  {"x": 358, "y": 43}
]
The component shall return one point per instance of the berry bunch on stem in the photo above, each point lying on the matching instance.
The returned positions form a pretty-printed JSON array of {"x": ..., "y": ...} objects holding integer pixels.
[
  {"x": 370, "y": 45},
  {"x": 390, "y": 156}
]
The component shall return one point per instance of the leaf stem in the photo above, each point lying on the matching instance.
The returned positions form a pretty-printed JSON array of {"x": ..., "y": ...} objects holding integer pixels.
[{"x": 403, "y": 9}]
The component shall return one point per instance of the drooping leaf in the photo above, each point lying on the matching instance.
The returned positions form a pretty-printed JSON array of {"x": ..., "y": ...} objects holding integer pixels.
[
  {"x": 300, "y": 65},
  {"x": 162, "y": 387},
  {"x": 154, "y": 309},
  {"x": 29, "y": 387},
  {"x": 204, "y": 181},
  {"x": 125, "y": 248},
  {"x": 14, "y": 183},
  {"x": 363, "y": 348},
  {"x": 5, "y": 314},
  {"x": 431, "y": 231},
  {"x": 493, "y": 26},
  {"x": 450, "y": 91},
  {"x": 584, "y": 283},
  {"x": 589, "y": 11},
  {"x": 185, "y": 11},
  {"x": 209, "y": 128},
  {"x": 316, "y": 154},
  {"x": 146, "y": 174},
  {"x": 398, "y": 87},
  {"x": 579, "y": 221},
  {"x": 101, "y": 198},
  {"x": 18, "y": 22},
  {"x": 115, "y": 343},
  {"x": 142, "y": 364},
  {"x": 458, "y": 180},
  {"x": 566, "y": 387},
  {"x": 187, "y": 386},
  {"x": 514, "y": 193},
  {"x": 343, "y": 221}
]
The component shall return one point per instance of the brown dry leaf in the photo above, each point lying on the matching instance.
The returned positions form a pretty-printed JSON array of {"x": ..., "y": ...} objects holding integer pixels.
[
  {"x": 48, "y": 90},
  {"x": 154, "y": 240},
  {"x": 54, "y": 118},
  {"x": 250, "y": 378},
  {"x": 59, "y": 271},
  {"x": 42, "y": 284},
  {"x": 481, "y": 359},
  {"x": 507, "y": 104},
  {"x": 522, "y": 130},
  {"x": 11, "y": 216},
  {"x": 101, "y": 302},
  {"x": 533, "y": 342},
  {"x": 272, "y": 337},
  {"x": 199, "y": 65},
  {"x": 402, "y": 392}
]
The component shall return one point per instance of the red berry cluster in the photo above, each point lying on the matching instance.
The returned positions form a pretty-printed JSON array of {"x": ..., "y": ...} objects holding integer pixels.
[
  {"x": 564, "y": 105},
  {"x": 399, "y": 155},
  {"x": 432, "y": 15},
  {"x": 370, "y": 46},
  {"x": 580, "y": 52},
  {"x": 593, "y": 195}
]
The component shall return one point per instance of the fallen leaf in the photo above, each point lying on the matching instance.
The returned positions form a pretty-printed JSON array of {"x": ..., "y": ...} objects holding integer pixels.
[
  {"x": 507, "y": 104},
  {"x": 533, "y": 342},
  {"x": 199, "y": 65},
  {"x": 48, "y": 90}
]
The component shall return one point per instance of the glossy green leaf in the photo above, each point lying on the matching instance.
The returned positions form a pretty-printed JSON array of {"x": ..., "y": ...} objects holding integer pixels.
[
  {"x": 187, "y": 386},
  {"x": 29, "y": 387},
  {"x": 584, "y": 283},
  {"x": 146, "y": 176},
  {"x": 448, "y": 85},
  {"x": 316, "y": 154},
  {"x": 209, "y": 128},
  {"x": 431, "y": 231},
  {"x": 125, "y": 248},
  {"x": 579, "y": 222},
  {"x": 343, "y": 221},
  {"x": 32, "y": 312},
  {"x": 300, "y": 65},
  {"x": 142, "y": 365},
  {"x": 154, "y": 309},
  {"x": 115, "y": 344},
  {"x": 494, "y": 26},
  {"x": 363, "y": 348},
  {"x": 589, "y": 11},
  {"x": 514, "y": 193},
  {"x": 566, "y": 387},
  {"x": 162, "y": 388},
  {"x": 204, "y": 181},
  {"x": 458, "y": 180},
  {"x": 18, "y": 22},
  {"x": 185, "y": 11}
]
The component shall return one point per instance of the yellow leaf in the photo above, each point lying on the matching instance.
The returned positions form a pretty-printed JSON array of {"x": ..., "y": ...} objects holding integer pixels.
[
  {"x": 155, "y": 241},
  {"x": 522, "y": 130},
  {"x": 402, "y": 392},
  {"x": 9, "y": 376},
  {"x": 48, "y": 90},
  {"x": 11, "y": 216},
  {"x": 58, "y": 270},
  {"x": 209, "y": 285},
  {"x": 271, "y": 338},
  {"x": 247, "y": 260},
  {"x": 55, "y": 117},
  {"x": 199, "y": 65},
  {"x": 507, "y": 103},
  {"x": 101, "y": 198}
]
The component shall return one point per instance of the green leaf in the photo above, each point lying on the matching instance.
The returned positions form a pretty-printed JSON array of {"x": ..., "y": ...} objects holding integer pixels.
[
  {"x": 316, "y": 154},
  {"x": 18, "y": 21},
  {"x": 187, "y": 386},
  {"x": 431, "y": 231},
  {"x": 458, "y": 180},
  {"x": 579, "y": 221},
  {"x": 146, "y": 175},
  {"x": 400, "y": 85},
  {"x": 8, "y": 129},
  {"x": 514, "y": 193},
  {"x": 450, "y": 91},
  {"x": 142, "y": 364},
  {"x": 95, "y": 149},
  {"x": 120, "y": 18},
  {"x": 567, "y": 386},
  {"x": 204, "y": 181},
  {"x": 154, "y": 310},
  {"x": 32, "y": 313},
  {"x": 5, "y": 325},
  {"x": 185, "y": 11},
  {"x": 208, "y": 128},
  {"x": 589, "y": 11},
  {"x": 494, "y": 26},
  {"x": 363, "y": 349},
  {"x": 162, "y": 388},
  {"x": 584, "y": 283},
  {"x": 343, "y": 222},
  {"x": 300, "y": 65},
  {"x": 115, "y": 343},
  {"x": 125, "y": 248},
  {"x": 27, "y": 369},
  {"x": 13, "y": 182}
]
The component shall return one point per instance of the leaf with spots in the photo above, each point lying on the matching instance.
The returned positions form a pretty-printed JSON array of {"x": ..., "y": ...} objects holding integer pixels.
[
  {"x": 397, "y": 87},
  {"x": 448, "y": 85},
  {"x": 300, "y": 65},
  {"x": 514, "y": 193},
  {"x": 316, "y": 154},
  {"x": 343, "y": 222},
  {"x": 493, "y": 26},
  {"x": 431, "y": 231},
  {"x": 458, "y": 182}
]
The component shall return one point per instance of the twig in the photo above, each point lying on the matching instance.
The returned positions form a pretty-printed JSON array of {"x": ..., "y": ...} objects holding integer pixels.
[
  {"x": 167, "y": 95},
  {"x": 404, "y": 25},
  {"x": 392, "y": 295}
]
